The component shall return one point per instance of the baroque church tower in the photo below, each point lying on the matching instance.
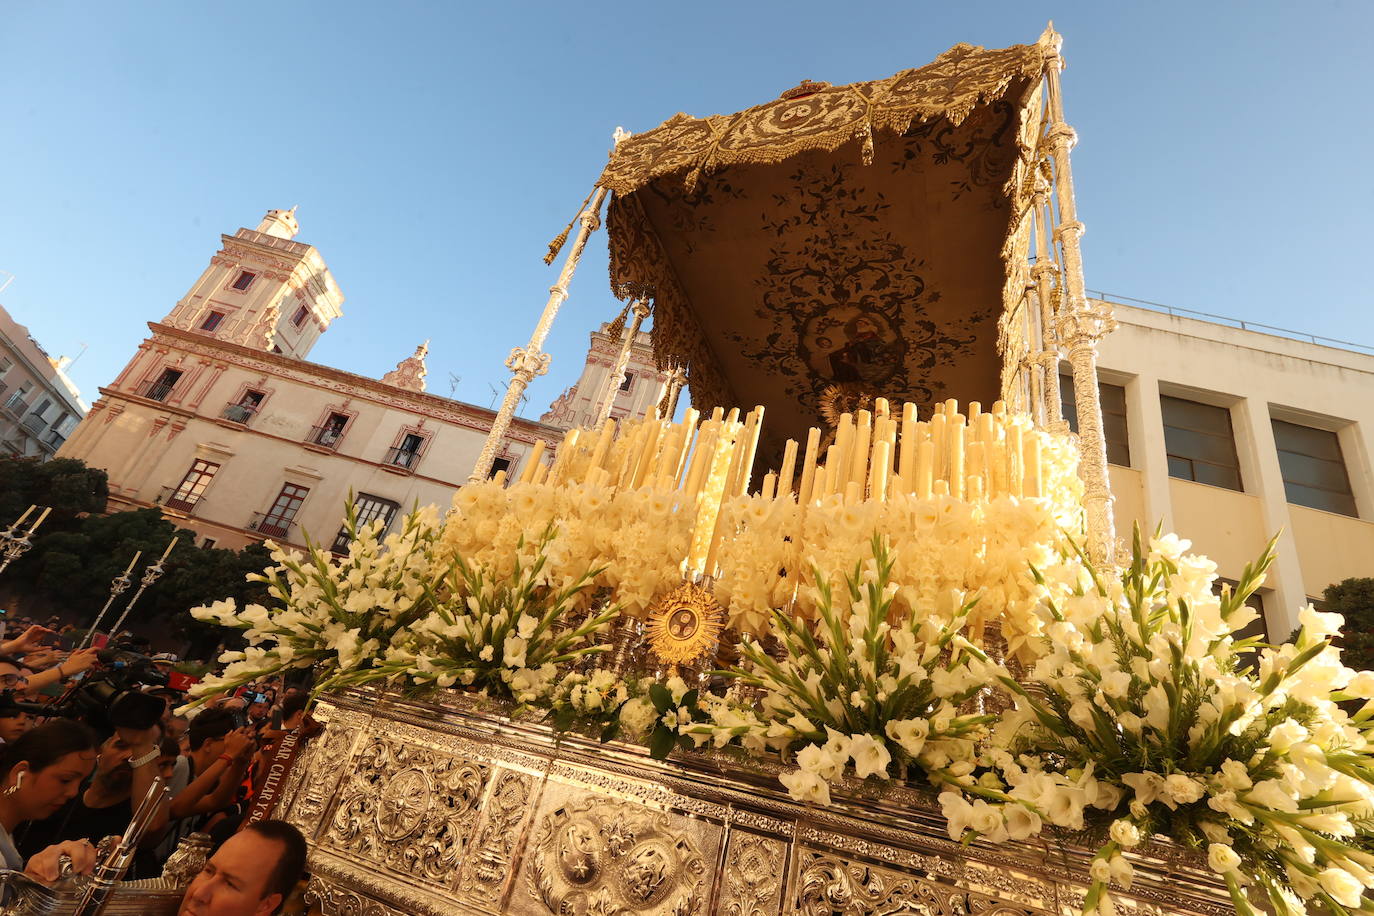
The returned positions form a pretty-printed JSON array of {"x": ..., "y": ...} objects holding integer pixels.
[{"x": 263, "y": 290}]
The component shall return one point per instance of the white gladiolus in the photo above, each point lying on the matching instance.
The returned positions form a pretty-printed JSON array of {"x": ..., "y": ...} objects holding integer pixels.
[
  {"x": 1341, "y": 885},
  {"x": 1222, "y": 858}
]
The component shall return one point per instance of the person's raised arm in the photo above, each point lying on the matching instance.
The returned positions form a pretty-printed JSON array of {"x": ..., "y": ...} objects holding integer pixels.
[
  {"x": 74, "y": 664},
  {"x": 198, "y": 797},
  {"x": 143, "y": 755}
]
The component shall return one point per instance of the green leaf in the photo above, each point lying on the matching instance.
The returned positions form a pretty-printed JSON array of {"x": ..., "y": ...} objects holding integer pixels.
[
  {"x": 610, "y": 731},
  {"x": 661, "y": 698},
  {"x": 661, "y": 744},
  {"x": 689, "y": 699}
]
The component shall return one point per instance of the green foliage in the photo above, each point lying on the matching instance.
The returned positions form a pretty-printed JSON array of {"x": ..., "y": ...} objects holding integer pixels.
[
  {"x": 79, "y": 551},
  {"x": 65, "y": 484},
  {"x": 1353, "y": 599}
]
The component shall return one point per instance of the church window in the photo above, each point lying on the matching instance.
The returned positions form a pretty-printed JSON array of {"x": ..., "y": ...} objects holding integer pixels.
[
  {"x": 243, "y": 280},
  {"x": 1113, "y": 400},
  {"x": 627, "y": 382},
  {"x": 498, "y": 465},
  {"x": 212, "y": 321},
  {"x": 298, "y": 319},
  {"x": 192, "y": 486},
  {"x": 1200, "y": 443},
  {"x": 1313, "y": 467}
]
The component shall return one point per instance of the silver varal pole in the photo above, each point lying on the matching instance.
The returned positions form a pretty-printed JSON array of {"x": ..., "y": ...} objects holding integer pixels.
[
  {"x": 118, "y": 587},
  {"x": 150, "y": 575}
]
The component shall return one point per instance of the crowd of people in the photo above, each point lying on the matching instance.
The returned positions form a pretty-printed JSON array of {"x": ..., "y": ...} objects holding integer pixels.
[{"x": 69, "y": 779}]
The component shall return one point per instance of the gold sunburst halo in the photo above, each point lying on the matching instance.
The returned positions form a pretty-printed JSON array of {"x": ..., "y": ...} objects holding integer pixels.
[{"x": 684, "y": 625}]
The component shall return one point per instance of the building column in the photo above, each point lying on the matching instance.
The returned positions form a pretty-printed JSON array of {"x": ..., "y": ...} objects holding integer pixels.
[
  {"x": 1149, "y": 454},
  {"x": 1264, "y": 478}
]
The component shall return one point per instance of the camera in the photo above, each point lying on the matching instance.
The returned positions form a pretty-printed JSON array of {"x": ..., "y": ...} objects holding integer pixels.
[{"x": 109, "y": 698}]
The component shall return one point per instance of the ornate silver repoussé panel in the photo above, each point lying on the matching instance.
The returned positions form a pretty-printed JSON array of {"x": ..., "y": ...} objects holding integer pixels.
[{"x": 451, "y": 808}]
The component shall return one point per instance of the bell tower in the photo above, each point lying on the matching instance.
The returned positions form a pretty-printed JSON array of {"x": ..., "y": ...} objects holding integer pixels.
[{"x": 263, "y": 290}]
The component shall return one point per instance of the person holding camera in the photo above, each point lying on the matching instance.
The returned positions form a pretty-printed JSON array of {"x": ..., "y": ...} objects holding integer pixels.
[
  {"x": 40, "y": 773},
  {"x": 124, "y": 771},
  {"x": 209, "y": 777}
]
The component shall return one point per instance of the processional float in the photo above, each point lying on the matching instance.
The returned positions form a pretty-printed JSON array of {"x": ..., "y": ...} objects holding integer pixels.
[{"x": 856, "y": 261}]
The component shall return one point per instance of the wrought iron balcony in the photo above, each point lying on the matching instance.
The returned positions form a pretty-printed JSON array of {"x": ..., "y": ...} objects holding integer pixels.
[
  {"x": 3, "y": 388},
  {"x": 402, "y": 458},
  {"x": 239, "y": 413},
  {"x": 17, "y": 406},
  {"x": 271, "y": 525},
  {"x": 181, "y": 502},
  {"x": 157, "y": 390},
  {"x": 55, "y": 439},
  {"x": 325, "y": 436},
  {"x": 34, "y": 423}
]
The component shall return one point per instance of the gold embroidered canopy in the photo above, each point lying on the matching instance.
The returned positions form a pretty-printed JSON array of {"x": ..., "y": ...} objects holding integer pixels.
[{"x": 868, "y": 235}]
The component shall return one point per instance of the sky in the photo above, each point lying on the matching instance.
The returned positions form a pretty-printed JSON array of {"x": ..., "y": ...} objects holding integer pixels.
[{"x": 434, "y": 149}]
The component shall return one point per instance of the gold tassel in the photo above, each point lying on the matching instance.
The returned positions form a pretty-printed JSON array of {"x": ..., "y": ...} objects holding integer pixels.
[
  {"x": 617, "y": 328},
  {"x": 557, "y": 244}
]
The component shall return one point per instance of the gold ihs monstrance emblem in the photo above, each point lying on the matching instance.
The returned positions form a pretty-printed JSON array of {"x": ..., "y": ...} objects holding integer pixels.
[{"x": 684, "y": 625}]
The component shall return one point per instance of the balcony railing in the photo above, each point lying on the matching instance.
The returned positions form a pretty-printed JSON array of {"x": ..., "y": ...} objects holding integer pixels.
[
  {"x": 3, "y": 388},
  {"x": 325, "y": 436},
  {"x": 271, "y": 525},
  {"x": 17, "y": 406},
  {"x": 34, "y": 423},
  {"x": 239, "y": 413},
  {"x": 157, "y": 390},
  {"x": 181, "y": 502},
  {"x": 402, "y": 458},
  {"x": 55, "y": 439}
]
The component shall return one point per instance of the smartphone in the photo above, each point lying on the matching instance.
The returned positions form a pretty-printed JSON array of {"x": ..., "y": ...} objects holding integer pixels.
[{"x": 260, "y": 698}]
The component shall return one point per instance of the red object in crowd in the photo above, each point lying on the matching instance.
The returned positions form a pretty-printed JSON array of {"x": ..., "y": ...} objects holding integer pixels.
[{"x": 178, "y": 681}]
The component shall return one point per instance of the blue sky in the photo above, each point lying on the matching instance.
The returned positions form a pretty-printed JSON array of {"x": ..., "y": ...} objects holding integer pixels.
[{"x": 435, "y": 148}]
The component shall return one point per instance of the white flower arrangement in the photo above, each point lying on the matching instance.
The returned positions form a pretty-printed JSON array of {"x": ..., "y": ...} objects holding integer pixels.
[
  {"x": 859, "y": 686},
  {"x": 333, "y": 614},
  {"x": 1146, "y": 703}
]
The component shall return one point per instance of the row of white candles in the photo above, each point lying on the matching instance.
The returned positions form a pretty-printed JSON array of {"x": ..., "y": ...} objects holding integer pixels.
[{"x": 875, "y": 455}]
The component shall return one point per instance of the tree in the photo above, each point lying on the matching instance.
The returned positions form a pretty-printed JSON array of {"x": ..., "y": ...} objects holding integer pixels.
[
  {"x": 1354, "y": 600},
  {"x": 65, "y": 484}
]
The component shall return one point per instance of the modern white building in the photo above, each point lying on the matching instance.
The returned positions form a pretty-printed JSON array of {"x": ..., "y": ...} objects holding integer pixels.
[
  {"x": 1228, "y": 434},
  {"x": 221, "y": 421},
  {"x": 39, "y": 405}
]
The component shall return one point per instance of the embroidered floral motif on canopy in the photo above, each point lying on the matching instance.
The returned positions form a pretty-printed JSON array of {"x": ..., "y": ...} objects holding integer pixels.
[{"x": 839, "y": 233}]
